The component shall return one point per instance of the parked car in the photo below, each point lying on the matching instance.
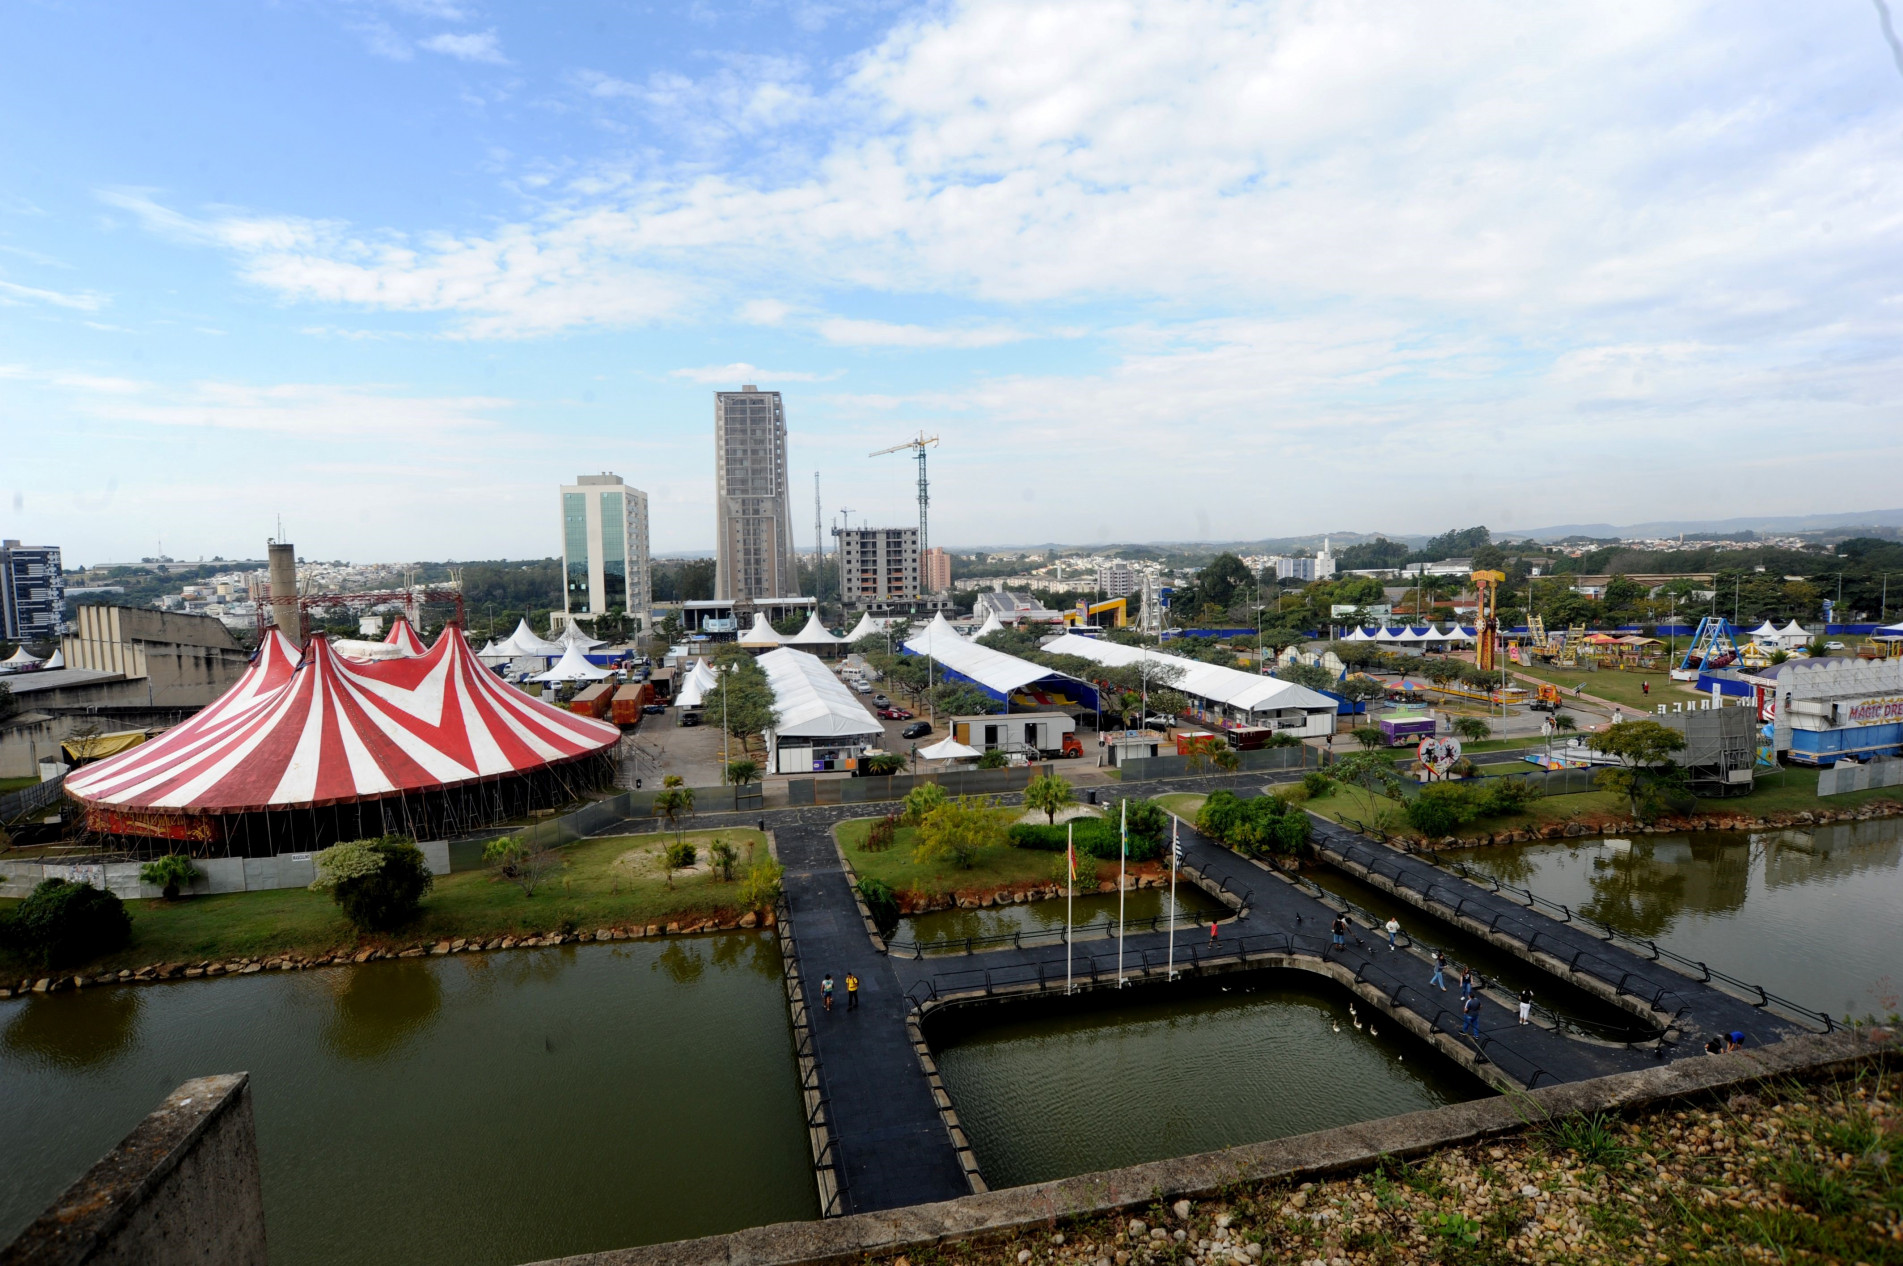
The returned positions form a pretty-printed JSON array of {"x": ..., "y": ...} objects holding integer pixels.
[
  {"x": 689, "y": 718},
  {"x": 654, "y": 709},
  {"x": 895, "y": 714},
  {"x": 862, "y": 687},
  {"x": 1833, "y": 646},
  {"x": 880, "y": 701},
  {"x": 918, "y": 729}
]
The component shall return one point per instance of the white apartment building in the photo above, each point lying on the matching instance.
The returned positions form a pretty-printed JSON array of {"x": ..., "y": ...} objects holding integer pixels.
[
  {"x": 605, "y": 565},
  {"x": 878, "y": 565},
  {"x": 1117, "y": 580}
]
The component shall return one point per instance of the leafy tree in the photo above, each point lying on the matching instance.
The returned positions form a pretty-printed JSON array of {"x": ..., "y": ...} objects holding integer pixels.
[
  {"x": 523, "y": 862},
  {"x": 1460, "y": 543},
  {"x": 741, "y": 697},
  {"x": 1229, "y": 760},
  {"x": 169, "y": 873},
  {"x": 380, "y": 884},
  {"x": 1312, "y": 676},
  {"x": 741, "y": 772},
  {"x": 674, "y": 804},
  {"x": 63, "y": 922},
  {"x": 1369, "y": 736},
  {"x": 954, "y": 698},
  {"x": 1048, "y": 794},
  {"x": 958, "y": 831},
  {"x": 1145, "y": 820},
  {"x": 1472, "y": 729},
  {"x": 761, "y": 888},
  {"x": 1370, "y": 773},
  {"x": 723, "y": 855},
  {"x": 921, "y": 800},
  {"x": 1370, "y": 555},
  {"x": 1223, "y": 581},
  {"x": 993, "y": 758},
  {"x": 1019, "y": 642},
  {"x": 1200, "y": 753},
  {"x": 884, "y": 764},
  {"x": 1269, "y": 824},
  {"x": 1646, "y": 772},
  {"x": 1360, "y": 689}
]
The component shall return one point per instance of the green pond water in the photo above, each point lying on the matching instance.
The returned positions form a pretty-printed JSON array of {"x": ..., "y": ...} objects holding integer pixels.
[
  {"x": 1092, "y": 917},
  {"x": 1056, "y": 1087},
  {"x": 473, "y": 1109},
  {"x": 1815, "y": 915}
]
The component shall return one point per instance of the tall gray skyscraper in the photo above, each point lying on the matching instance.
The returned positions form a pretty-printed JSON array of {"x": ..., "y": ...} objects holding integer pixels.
[{"x": 753, "y": 524}]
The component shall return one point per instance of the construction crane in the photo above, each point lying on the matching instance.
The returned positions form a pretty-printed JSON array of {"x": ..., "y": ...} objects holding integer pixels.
[{"x": 918, "y": 445}]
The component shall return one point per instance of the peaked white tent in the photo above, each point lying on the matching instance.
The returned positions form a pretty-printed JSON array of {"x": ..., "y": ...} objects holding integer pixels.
[
  {"x": 1410, "y": 634},
  {"x": 992, "y": 624},
  {"x": 573, "y": 666},
  {"x": 939, "y": 633},
  {"x": 761, "y": 634},
  {"x": 56, "y": 660},
  {"x": 813, "y": 635},
  {"x": 573, "y": 636},
  {"x": 820, "y": 725},
  {"x": 949, "y": 749},
  {"x": 1458, "y": 634},
  {"x": 1386, "y": 635},
  {"x": 1359, "y": 635},
  {"x": 19, "y": 661},
  {"x": 1767, "y": 631},
  {"x": 695, "y": 687},
  {"x": 1793, "y": 635},
  {"x": 524, "y": 642},
  {"x": 867, "y": 627}
]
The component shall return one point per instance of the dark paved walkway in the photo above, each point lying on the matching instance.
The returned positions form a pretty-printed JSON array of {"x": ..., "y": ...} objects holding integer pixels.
[{"x": 891, "y": 1145}]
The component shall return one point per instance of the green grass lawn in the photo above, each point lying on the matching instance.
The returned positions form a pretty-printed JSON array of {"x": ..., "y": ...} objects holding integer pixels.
[
  {"x": 1616, "y": 684},
  {"x": 994, "y": 868},
  {"x": 8, "y": 785},
  {"x": 1184, "y": 804},
  {"x": 615, "y": 880}
]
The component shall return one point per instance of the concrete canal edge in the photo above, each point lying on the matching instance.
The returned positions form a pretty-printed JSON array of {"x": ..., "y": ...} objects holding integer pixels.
[
  {"x": 183, "y": 1187},
  {"x": 1306, "y": 1157},
  {"x": 812, "y": 1098}
]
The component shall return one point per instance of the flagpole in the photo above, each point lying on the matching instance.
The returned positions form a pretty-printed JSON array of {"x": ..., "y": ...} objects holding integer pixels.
[
  {"x": 1070, "y": 897},
  {"x": 1176, "y": 857},
  {"x": 1123, "y": 854}
]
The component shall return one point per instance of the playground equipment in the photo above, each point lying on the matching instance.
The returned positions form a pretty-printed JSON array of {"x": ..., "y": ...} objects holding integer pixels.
[
  {"x": 1712, "y": 646},
  {"x": 1487, "y": 617}
]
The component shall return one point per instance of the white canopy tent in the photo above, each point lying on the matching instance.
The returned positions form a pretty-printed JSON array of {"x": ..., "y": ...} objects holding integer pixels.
[
  {"x": 524, "y": 642},
  {"x": 573, "y": 666},
  {"x": 1246, "y": 698},
  {"x": 1458, "y": 634},
  {"x": 998, "y": 674},
  {"x": 695, "y": 685},
  {"x": 813, "y": 635},
  {"x": 949, "y": 749},
  {"x": 934, "y": 637},
  {"x": 1793, "y": 635},
  {"x": 1359, "y": 635},
  {"x": 1767, "y": 631},
  {"x": 573, "y": 636},
  {"x": 761, "y": 634},
  {"x": 992, "y": 624},
  {"x": 820, "y": 724},
  {"x": 867, "y": 627},
  {"x": 1386, "y": 635},
  {"x": 19, "y": 661},
  {"x": 56, "y": 660}
]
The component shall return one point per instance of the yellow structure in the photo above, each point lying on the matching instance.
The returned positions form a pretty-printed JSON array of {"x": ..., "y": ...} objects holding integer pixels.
[
  {"x": 1487, "y": 585},
  {"x": 1086, "y": 614}
]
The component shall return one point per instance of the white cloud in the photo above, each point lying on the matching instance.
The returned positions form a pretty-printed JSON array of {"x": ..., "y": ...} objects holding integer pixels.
[
  {"x": 469, "y": 47},
  {"x": 741, "y": 372},
  {"x": 82, "y": 301},
  {"x": 765, "y": 311},
  {"x": 383, "y": 40},
  {"x": 852, "y": 333}
]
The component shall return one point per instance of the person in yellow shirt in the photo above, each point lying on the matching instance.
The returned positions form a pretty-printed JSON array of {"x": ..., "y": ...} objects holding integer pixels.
[{"x": 852, "y": 992}]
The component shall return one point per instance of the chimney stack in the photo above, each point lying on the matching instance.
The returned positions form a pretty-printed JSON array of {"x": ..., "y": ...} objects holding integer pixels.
[{"x": 284, "y": 590}]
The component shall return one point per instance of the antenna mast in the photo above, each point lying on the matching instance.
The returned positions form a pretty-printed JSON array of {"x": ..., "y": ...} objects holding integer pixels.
[{"x": 819, "y": 544}]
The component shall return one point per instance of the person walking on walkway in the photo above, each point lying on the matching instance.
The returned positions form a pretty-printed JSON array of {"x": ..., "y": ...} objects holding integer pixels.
[
  {"x": 1526, "y": 1006},
  {"x": 1212, "y": 932},
  {"x": 1393, "y": 928},
  {"x": 1440, "y": 965},
  {"x": 1470, "y": 1015},
  {"x": 826, "y": 989},
  {"x": 1338, "y": 929},
  {"x": 1466, "y": 982},
  {"x": 852, "y": 992}
]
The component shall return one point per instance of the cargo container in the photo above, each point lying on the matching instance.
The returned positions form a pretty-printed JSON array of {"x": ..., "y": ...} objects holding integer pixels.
[
  {"x": 1406, "y": 727},
  {"x": 628, "y": 702},
  {"x": 593, "y": 701},
  {"x": 663, "y": 682}
]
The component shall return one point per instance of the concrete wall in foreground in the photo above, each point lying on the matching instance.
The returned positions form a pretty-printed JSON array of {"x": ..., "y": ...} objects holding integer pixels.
[{"x": 183, "y": 1188}]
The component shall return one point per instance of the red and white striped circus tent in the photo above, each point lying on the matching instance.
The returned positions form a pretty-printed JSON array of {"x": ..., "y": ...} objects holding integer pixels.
[
  {"x": 403, "y": 634},
  {"x": 309, "y": 749}
]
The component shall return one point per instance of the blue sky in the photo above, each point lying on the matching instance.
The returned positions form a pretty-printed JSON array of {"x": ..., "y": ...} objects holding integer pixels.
[{"x": 392, "y": 269}]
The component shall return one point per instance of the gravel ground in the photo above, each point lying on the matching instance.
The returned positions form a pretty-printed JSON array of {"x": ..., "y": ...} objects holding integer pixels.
[{"x": 1799, "y": 1173}]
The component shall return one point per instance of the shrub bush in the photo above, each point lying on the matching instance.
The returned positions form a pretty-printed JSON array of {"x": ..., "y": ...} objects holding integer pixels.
[
  {"x": 168, "y": 873},
  {"x": 1266, "y": 824},
  {"x": 761, "y": 887},
  {"x": 1316, "y": 783},
  {"x": 883, "y": 832},
  {"x": 1442, "y": 808},
  {"x": 378, "y": 883},
  {"x": 63, "y": 922},
  {"x": 921, "y": 800},
  {"x": 885, "y": 764},
  {"x": 884, "y": 905}
]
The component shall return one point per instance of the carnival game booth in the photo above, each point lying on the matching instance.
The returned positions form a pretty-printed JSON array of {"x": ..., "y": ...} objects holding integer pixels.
[{"x": 311, "y": 748}]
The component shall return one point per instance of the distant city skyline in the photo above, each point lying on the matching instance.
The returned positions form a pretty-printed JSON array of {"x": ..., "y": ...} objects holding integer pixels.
[{"x": 393, "y": 270}]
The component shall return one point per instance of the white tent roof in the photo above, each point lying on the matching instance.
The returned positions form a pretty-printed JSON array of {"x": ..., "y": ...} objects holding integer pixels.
[
  {"x": 694, "y": 688},
  {"x": 1410, "y": 634},
  {"x": 1767, "y": 629},
  {"x": 20, "y": 659},
  {"x": 1359, "y": 635},
  {"x": 994, "y": 670},
  {"x": 935, "y": 637},
  {"x": 761, "y": 634},
  {"x": 573, "y": 636},
  {"x": 524, "y": 642},
  {"x": 813, "y": 703},
  {"x": 1386, "y": 635},
  {"x": 866, "y": 627},
  {"x": 1247, "y": 691},
  {"x": 573, "y": 666},
  {"x": 992, "y": 624},
  {"x": 814, "y": 634},
  {"x": 56, "y": 660},
  {"x": 1793, "y": 629},
  {"x": 949, "y": 749},
  {"x": 1458, "y": 634}
]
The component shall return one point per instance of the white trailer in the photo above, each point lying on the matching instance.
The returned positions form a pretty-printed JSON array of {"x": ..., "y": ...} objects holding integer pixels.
[{"x": 1041, "y": 734}]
